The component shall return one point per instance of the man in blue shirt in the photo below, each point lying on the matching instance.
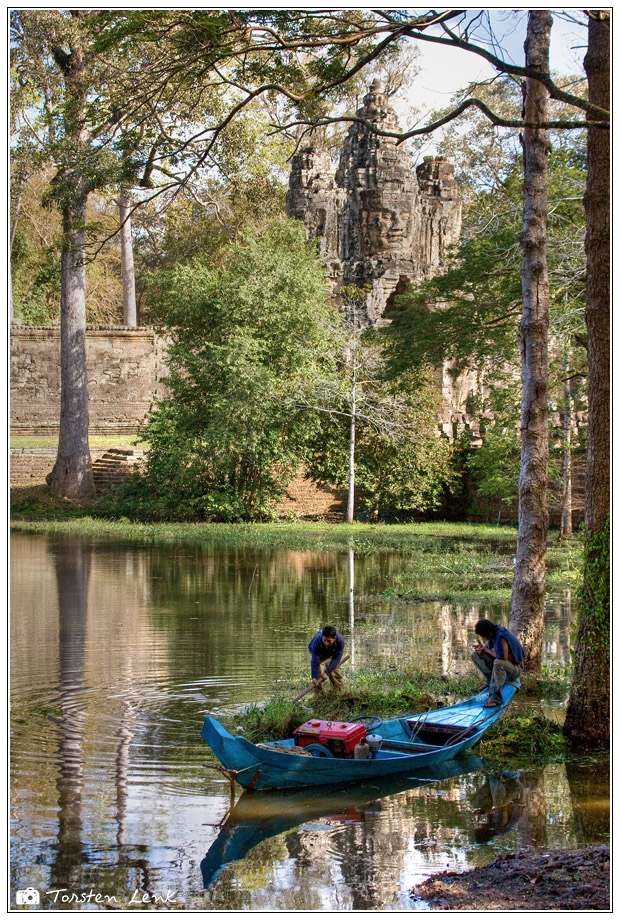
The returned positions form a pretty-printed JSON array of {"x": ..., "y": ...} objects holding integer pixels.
[
  {"x": 326, "y": 650},
  {"x": 499, "y": 659}
]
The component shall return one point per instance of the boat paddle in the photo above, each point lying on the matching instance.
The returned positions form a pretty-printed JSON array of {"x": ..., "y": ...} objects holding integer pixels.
[{"x": 311, "y": 687}]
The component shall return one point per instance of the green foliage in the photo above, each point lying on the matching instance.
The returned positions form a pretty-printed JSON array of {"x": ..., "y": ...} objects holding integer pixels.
[
  {"x": 228, "y": 440},
  {"x": 555, "y": 681},
  {"x": 495, "y": 465},
  {"x": 400, "y": 463},
  {"x": 529, "y": 736},
  {"x": 396, "y": 473},
  {"x": 469, "y": 315},
  {"x": 519, "y": 736},
  {"x": 244, "y": 190},
  {"x": 382, "y": 693},
  {"x": 35, "y": 259}
]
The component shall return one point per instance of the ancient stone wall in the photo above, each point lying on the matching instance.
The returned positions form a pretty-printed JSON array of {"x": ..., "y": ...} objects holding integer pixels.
[{"x": 125, "y": 367}]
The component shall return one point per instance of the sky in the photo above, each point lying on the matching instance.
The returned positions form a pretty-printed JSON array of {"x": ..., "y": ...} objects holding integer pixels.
[{"x": 443, "y": 70}]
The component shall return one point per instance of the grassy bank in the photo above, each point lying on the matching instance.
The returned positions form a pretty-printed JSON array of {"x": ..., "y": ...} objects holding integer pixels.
[
  {"x": 427, "y": 537},
  {"x": 440, "y": 560},
  {"x": 522, "y": 736}
]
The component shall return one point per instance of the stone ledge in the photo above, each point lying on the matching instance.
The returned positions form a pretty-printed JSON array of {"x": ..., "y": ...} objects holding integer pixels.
[{"x": 95, "y": 327}]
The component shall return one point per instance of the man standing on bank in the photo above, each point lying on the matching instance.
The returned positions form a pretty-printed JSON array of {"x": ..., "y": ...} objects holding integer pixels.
[
  {"x": 499, "y": 659},
  {"x": 326, "y": 650}
]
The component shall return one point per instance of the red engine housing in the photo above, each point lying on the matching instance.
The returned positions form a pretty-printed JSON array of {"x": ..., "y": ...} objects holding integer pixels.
[{"x": 339, "y": 737}]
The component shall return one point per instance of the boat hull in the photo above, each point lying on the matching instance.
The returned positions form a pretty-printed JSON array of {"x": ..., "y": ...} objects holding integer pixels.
[{"x": 271, "y": 766}]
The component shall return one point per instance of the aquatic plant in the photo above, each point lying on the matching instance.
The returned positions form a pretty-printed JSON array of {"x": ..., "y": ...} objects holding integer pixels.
[
  {"x": 382, "y": 693},
  {"x": 517, "y": 736},
  {"x": 528, "y": 736}
]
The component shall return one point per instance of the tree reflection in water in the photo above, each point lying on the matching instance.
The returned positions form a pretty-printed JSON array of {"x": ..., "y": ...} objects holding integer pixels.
[
  {"x": 131, "y": 643},
  {"x": 588, "y": 781},
  {"x": 72, "y": 564}
]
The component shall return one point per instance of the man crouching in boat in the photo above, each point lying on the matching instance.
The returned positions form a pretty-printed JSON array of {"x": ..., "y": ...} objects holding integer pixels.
[
  {"x": 499, "y": 659},
  {"x": 326, "y": 649}
]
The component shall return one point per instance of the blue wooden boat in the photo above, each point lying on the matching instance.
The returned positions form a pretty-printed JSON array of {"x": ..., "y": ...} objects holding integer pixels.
[{"x": 407, "y": 744}]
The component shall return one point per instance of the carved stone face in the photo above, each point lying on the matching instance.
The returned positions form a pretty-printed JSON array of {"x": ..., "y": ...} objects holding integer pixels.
[{"x": 386, "y": 227}]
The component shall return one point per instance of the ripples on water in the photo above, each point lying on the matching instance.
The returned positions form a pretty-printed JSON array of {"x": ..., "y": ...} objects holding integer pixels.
[{"x": 116, "y": 653}]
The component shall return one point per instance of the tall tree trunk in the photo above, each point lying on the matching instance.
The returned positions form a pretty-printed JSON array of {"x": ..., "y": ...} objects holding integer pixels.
[
  {"x": 72, "y": 475},
  {"x": 527, "y": 606},
  {"x": 566, "y": 524},
  {"x": 130, "y": 315},
  {"x": 351, "y": 492},
  {"x": 14, "y": 224},
  {"x": 588, "y": 712}
]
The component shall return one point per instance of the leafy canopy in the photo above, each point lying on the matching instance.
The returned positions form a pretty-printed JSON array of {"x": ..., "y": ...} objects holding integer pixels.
[{"x": 245, "y": 338}]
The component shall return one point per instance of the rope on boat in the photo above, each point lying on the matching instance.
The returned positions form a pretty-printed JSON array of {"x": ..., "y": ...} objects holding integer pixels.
[
  {"x": 456, "y": 738},
  {"x": 232, "y": 775},
  {"x": 418, "y": 726}
]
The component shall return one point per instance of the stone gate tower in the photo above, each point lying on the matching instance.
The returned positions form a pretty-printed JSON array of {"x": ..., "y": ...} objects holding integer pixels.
[{"x": 376, "y": 221}]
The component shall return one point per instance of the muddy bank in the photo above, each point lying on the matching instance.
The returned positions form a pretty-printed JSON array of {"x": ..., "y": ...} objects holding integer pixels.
[{"x": 530, "y": 880}]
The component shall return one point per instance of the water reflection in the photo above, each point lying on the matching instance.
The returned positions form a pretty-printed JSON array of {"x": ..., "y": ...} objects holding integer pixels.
[
  {"x": 497, "y": 804},
  {"x": 588, "y": 782},
  {"x": 351, "y": 558},
  {"x": 117, "y": 651},
  {"x": 257, "y": 817},
  {"x": 72, "y": 565}
]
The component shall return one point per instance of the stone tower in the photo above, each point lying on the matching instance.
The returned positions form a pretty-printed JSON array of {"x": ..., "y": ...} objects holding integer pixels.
[{"x": 377, "y": 223}]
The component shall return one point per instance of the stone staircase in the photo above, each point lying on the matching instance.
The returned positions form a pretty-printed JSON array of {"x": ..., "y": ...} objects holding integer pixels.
[{"x": 114, "y": 466}]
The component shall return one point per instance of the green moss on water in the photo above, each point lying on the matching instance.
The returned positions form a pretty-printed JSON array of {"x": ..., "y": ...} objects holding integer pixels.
[
  {"x": 478, "y": 570},
  {"x": 524, "y": 737},
  {"x": 441, "y": 561}
]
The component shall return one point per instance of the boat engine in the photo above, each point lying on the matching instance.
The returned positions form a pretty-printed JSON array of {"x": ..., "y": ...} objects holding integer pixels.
[{"x": 329, "y": 739}]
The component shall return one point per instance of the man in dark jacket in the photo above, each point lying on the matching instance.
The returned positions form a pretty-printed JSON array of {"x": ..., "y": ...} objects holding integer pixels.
[
  {"x": 499, "y": 659},
  {"x": 326, "y": 649}
]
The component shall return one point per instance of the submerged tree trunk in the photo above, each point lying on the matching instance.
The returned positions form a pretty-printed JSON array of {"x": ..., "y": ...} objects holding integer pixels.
[
  {"x": 130, "y": 315},
  {"x": 72, "y": 475},
  {"x": 527, "y": 607},
  {"x": 588, "y": 712}
]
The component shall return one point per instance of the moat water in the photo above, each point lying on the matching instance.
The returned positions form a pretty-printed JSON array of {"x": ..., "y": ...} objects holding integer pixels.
[{"x": 118, "y": 651}]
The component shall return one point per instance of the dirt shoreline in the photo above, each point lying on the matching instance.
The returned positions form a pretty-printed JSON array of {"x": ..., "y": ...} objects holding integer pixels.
[{"x": 528, "y": 880}]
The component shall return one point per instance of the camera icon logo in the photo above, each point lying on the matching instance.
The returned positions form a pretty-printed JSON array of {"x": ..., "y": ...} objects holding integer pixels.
[{"x": 27, "y": 896}]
